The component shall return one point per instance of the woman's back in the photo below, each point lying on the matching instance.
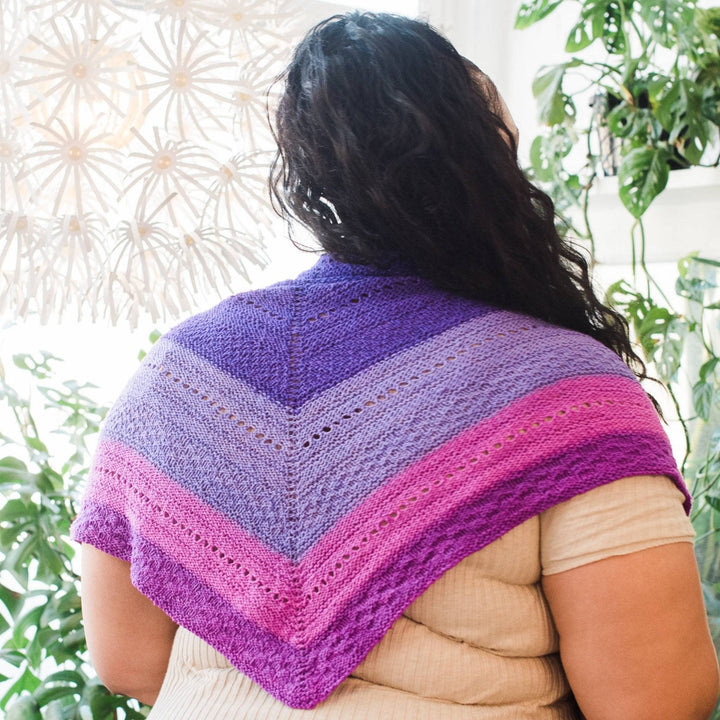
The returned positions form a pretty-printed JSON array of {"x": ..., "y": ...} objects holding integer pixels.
[
  {"x": 288, "y": 473},
  {"x": 479, "y": 644},
  {"x": 334, "y": 445}
]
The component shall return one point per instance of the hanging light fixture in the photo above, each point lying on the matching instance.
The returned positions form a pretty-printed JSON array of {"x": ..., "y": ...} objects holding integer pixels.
[{"x": 134, "y": 151}]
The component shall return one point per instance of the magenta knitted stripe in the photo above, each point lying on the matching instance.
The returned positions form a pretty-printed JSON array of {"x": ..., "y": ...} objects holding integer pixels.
[{"x": 302, "y": 674}]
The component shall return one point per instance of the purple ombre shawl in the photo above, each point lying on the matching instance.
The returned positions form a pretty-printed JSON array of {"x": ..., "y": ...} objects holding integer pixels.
[{"x": 287, "y": 472}]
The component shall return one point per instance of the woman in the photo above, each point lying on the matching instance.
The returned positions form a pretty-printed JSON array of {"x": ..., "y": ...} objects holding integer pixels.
[{"x": 420, "y": 480}]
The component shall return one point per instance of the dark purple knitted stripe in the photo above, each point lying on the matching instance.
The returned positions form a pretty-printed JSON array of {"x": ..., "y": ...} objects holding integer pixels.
[
  {"x": 355, "y": 332},
  {"x": 303, "y": 678},
  {"x": 246, "y": 336}
]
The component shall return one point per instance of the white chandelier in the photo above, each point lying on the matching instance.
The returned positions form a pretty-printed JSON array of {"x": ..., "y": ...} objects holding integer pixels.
[{"x": 134, "y": 151}]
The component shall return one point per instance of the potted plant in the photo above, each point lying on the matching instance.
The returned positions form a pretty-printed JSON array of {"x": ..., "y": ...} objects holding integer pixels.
[{"x": 655, "y": 91}]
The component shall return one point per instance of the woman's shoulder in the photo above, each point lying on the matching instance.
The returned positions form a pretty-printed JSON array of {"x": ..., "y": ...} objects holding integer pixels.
[
  {"x": 529, "y": 345},
  {"x": 252, "y": 306},
  {"x": 388, "y": 315}
]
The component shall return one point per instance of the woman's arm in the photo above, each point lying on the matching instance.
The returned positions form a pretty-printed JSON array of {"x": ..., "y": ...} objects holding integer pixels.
[
  {"x": 634, "y": 638},
  {"x": 128, "y": 637}
]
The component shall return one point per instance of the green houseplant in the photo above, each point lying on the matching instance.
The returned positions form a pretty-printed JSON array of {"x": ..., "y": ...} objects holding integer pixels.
[
  {"x": 656, "y": 88},
  {"x": 44, "y": 671},
  {"x": 651, "y": 69}
]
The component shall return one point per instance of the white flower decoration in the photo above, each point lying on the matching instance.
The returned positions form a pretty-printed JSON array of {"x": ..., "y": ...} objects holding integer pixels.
[
  {"x": 197, "y": 12},
  {"x": 80, "y": 164},
  {"x": 93, "y": 14},
  {"x": 193, "y": 80},
  {"x": 140, "y": 259},
  {"x": 207, "y": 254},
  {"x": 250, "y": 102},
  {"x": 12, "y": 42},
  {"x": 138, "y": 129},
  {"x": 239, "y": 197},
  {"x": 70, "y": 274},
  {"x": 10, "y": 165},
  {"x": 18, "y": 250},
  {"x": 253, "y": 25},
  {"x": 171, "y": 169},
  {"x": 77, "y": 68}
]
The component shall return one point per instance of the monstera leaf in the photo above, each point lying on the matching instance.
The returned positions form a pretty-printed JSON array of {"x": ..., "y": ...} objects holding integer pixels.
[
  {"x": 532, "y": 12},
  {"x": 643, "y": 175},
  {"x": 667, "y": 18},
  {"x": 554, "y": 104}
]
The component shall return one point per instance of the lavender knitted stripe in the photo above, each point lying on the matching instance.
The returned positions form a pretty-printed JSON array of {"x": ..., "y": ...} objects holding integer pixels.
[
  {"x": 301, "y": 674},
  {"x": 363, "y": 329},
  {"x": 529, "y": 433},
  {"x": 365, "y": 447}
]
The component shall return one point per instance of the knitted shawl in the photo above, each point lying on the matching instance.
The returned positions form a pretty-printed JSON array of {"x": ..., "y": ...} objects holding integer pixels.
[{"x": 288, "y": 471}]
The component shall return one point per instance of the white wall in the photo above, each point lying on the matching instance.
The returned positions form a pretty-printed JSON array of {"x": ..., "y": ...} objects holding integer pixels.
[{"x": 483, "y": 31}]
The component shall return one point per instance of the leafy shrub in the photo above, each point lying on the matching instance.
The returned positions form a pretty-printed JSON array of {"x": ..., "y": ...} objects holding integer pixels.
[{"x": 43, "y": 657}]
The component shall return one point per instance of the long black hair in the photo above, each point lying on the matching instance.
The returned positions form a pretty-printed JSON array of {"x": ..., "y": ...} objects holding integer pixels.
[{"x": 391, "y": 146}]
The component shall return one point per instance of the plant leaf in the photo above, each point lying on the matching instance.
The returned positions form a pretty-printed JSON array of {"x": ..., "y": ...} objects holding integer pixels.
[
  {"x": 708, "y": 20},
  {"x": 711, "y": 104},
  {"x": 708, "y": 368},
  {"x": 620, "y": 119},
  {"x": 606, "y": 18},
  {"x": 24, "y": 708},
  {"x": 16, "y": 509},
  {"x": 665, "y": 18},
  {"x": 707, "y": 261},
  {"x": 554, "y": 105},
  {"x": 702, "y": 394},
  {"x": 643, "y": 175},
  {"x": 27, "y": 681},
  {"x": 534, "y": 11},
  {"x": 580, "y": 36}
]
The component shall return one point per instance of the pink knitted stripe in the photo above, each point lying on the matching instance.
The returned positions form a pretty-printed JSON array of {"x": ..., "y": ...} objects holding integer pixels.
[
  {"x": 447, "y": 487},
  {"x": 244, "y": 594},
  {"x": 350, "y": 542},
  {"x": 157, "y": 494},
  {"x": 184, "y": 507}
]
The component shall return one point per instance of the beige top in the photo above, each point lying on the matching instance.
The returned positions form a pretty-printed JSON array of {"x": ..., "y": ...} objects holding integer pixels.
[{"x": 480, "y": 643}]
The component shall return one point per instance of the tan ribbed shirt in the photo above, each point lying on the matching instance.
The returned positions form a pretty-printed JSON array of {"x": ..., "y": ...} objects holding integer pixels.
[{"x": 479, "y": 644}]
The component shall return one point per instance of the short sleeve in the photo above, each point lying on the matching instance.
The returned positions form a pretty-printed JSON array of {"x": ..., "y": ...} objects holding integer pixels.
[{"x": 618, "y": 518}]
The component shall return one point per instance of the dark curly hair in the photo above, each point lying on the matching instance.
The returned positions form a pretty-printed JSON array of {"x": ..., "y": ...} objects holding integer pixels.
[{"x": 392, "y": 147}]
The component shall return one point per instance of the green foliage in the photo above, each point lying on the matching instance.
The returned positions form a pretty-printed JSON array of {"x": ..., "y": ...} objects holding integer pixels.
[
  {"x": 682, "y": 350},
  {"x": 660, "y": 82},
  {"x": 642, "y": 177},
  {"x": 556, "y": 107},
  {"x": 531, "y": 12},
  {"x": 43, "y": 656},
  {"x": 656, "y": 108}
]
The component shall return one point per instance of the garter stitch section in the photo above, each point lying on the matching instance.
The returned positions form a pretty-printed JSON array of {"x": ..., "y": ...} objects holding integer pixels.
[{"x": 287, "y": 472}]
